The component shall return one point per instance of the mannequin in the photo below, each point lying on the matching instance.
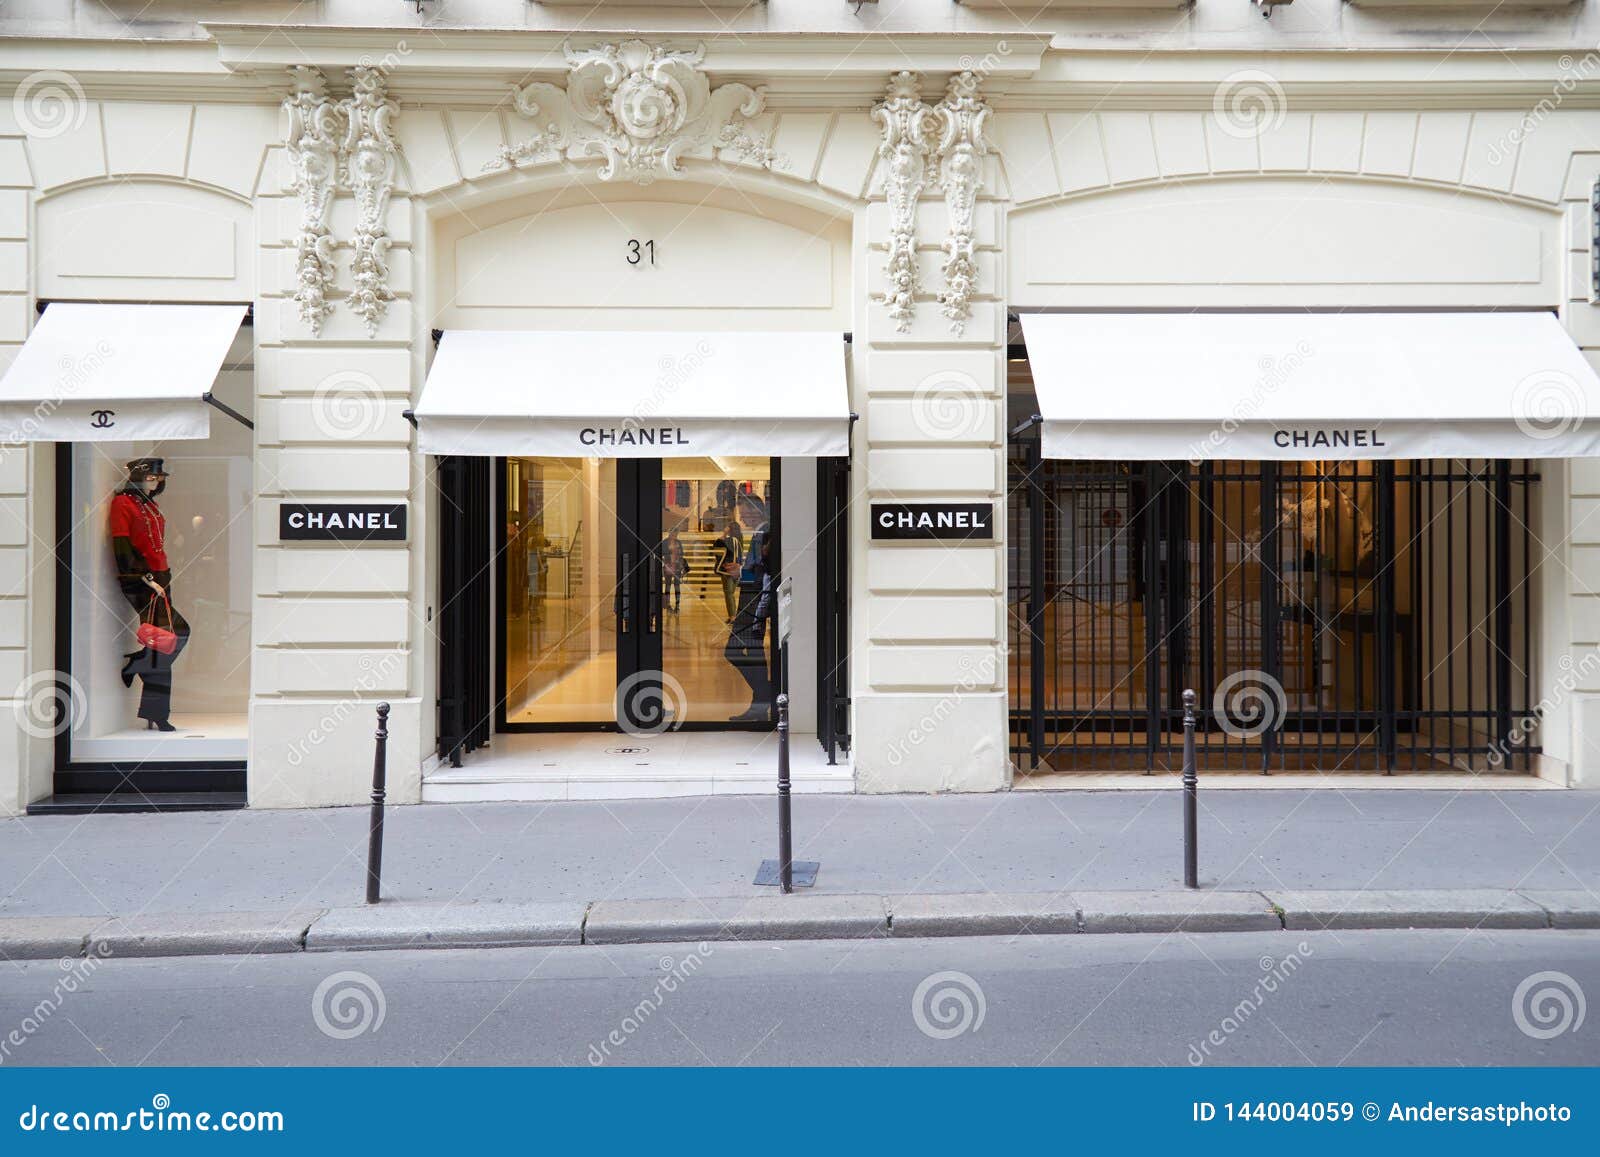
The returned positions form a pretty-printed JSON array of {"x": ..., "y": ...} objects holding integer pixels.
[{"x": 138, "y": 543}]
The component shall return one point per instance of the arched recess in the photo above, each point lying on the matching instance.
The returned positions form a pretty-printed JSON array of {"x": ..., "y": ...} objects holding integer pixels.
[
  {"x": 733, "y": 249},
  {"x": 144, "y": 240},
  {"x": 1265, "y": 242},
  {"x": 555, "y": 250}
]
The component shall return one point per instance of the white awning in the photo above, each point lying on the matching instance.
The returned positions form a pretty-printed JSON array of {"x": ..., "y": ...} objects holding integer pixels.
[
  {"x": 1192, "y": 387},
  {"x": 116, "y": 373},
  {"x": 635, "y": 395}
]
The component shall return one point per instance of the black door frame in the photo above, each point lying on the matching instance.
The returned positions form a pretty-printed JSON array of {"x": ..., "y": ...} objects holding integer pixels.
[{"x": 638, "y": 599}]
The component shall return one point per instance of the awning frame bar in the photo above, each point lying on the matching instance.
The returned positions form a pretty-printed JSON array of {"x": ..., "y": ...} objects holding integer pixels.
[{"x": 210, "y": 399}]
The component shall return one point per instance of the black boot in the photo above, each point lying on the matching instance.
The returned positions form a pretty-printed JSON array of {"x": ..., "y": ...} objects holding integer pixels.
[
  {"x": 127, "y": 672},
  {"x": 158, "y": 725}
]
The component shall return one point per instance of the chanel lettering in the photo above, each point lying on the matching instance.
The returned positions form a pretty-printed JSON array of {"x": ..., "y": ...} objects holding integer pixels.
[
  {"x": 342, "y": 521},
  {"x": 1313, "y": 439},
  {"x": 958, "y": 521},
  {"x": 633, "y": 436}
]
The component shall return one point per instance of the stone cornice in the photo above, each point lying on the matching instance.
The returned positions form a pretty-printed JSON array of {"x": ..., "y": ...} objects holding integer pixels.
[
  {"x": 247, "y": 63},
  {"x": 444, "y": 65}
]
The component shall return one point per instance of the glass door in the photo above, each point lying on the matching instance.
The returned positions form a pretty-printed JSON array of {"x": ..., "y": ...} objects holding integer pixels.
[
  {"x": 718, "y": 552},
  {"x": 631, "y": 593},
  {"x": 558, "y": 586}
]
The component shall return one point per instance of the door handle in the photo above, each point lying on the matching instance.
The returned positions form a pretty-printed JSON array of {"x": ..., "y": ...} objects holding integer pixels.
[
  {"x": 624, "y": 603},
  {"x": 653, "y": 625}
]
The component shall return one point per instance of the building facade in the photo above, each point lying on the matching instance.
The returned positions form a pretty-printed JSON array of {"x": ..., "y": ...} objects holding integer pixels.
[{"x": 351, "y": 281}]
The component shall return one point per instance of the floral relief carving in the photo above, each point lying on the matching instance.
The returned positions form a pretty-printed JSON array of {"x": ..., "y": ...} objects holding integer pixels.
[
  {"x": 370, "y": 153},
  {"x": 313, "y": 143},
  {"x": 905, "y": 122},
  {"x": 963, "y": 140},
  {"x": 642, "y": 108}
]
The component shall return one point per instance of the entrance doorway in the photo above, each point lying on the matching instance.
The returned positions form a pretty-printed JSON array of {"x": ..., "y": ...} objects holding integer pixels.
[{"x": 635, "y": 594}]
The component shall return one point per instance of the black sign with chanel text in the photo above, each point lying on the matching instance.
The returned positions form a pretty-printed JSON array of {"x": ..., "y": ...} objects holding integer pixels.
[
  {"x": 342, "y": 521},
  {"x": 958, "y": 521}
]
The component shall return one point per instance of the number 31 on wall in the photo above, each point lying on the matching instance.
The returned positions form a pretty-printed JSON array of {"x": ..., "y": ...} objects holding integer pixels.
[{"x": 641, "y": 252}]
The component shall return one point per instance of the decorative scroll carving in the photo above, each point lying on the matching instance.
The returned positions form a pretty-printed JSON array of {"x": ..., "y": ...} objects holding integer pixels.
[
  {"x": 546, "y": 106},
  {"x": 905, "y": 122},
  {"x": 963, "y": 121},
  {"x": 370, "y": 151},
  {"x": 315, "y": 122},
  {"x": 642, "y": 108}
]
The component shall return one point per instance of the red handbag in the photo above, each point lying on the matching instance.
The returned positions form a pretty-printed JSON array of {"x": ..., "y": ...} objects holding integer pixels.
[{"x": 161, "y": 639}]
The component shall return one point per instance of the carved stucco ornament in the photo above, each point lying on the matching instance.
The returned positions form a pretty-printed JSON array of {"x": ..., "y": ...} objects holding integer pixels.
[
  {"x": 963, "y": 140},
  {"x": 315, "y": 124},
  {"x": 370, "y": 153},
  {"x": 904, "y": 121},
  {"x": 642, "y": 108}
]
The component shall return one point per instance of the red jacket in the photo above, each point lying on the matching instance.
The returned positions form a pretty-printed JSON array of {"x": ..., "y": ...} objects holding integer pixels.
[{"x": 140, "y": 521}]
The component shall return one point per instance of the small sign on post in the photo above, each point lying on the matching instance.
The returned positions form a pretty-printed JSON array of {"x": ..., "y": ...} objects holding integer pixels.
[{"x": 785, "y": 610}]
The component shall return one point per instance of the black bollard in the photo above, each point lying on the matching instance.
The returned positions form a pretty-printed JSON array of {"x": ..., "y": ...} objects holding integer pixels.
[
  {"x": 1191, "y": 798},
  {"x": 785, "y": 832},
  {"x": 380, "y": 769}
]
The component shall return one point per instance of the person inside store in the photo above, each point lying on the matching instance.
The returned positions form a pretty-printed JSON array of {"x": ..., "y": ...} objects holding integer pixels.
[
  {"x": 746, "y": 648},
  {"x": 726, "y": 554},
  {"x": 674, "y": 566},
  {"x": 138, "y": 532}
]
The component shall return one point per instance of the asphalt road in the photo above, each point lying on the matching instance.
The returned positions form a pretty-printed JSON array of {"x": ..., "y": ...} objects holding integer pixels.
[{"x": 1349, "y": 998}]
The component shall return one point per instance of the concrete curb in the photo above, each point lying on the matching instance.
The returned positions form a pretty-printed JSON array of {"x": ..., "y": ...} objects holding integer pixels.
[
  {"x": 448, "y": 926},
  {"x": 1457, "y": 908},
  {"x": 769, "y": 917},
  {"x": 776, "y": 917}
]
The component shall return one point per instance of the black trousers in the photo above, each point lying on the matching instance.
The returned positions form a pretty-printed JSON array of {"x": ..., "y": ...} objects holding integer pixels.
[
  {"x": 746, "y": 650},
  {"x": 152, "y": 667}
]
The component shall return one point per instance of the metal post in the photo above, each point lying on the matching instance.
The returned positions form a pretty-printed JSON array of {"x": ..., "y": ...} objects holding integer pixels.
[
  {"x": 380, "y": 767},
  {"x": 785, "y": 833},
  {"x": 1191, "y": 799}
]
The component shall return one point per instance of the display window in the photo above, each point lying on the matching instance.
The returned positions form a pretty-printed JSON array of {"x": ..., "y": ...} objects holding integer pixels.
[{"x": 155, "y": 598}]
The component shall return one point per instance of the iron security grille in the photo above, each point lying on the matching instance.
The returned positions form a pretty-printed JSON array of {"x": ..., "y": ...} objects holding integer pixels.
[{"x": 1332, "y": 616}]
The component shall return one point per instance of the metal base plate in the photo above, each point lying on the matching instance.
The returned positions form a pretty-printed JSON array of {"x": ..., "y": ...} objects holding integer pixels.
[{"x": 803, "y": 873}]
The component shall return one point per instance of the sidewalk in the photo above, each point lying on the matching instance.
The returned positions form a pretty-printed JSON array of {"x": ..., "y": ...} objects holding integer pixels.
[{"x": 1008, "y": 862}]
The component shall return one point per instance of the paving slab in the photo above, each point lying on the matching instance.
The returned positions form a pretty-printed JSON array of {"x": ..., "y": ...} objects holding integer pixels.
[
  {"x": 486, "y": 925},
  {"x": 45, "y": 937},
  {"x": 1176, "y": 911},
  {"x": 794, "y": 917},
  {"x": 983, "y": 914},
  {"x": 1568, "y": 909},
  {"x": 1445, "y": 908},
  {"x": 202, "y": 933}
]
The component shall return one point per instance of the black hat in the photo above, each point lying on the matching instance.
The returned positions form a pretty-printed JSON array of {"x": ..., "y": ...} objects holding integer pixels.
[{"x": 142, "y": 468}]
